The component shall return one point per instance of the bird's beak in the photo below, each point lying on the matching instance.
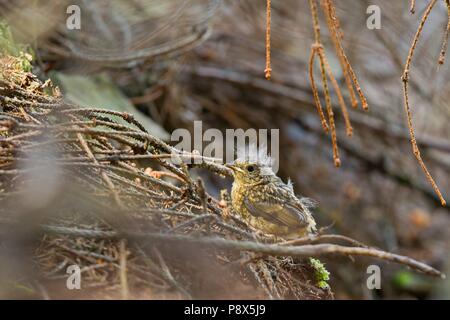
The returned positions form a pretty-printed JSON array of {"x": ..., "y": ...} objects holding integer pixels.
[
  {"x": 233, "y": 167},
  {"x": 230, "y": 166}
]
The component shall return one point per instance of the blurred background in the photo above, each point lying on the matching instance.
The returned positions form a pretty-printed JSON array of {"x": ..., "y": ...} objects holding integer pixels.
[{"x": 171, "y": 62}]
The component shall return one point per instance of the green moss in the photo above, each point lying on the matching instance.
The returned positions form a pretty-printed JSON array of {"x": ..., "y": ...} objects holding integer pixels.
[
  {"x": 321, "y": 273},
  {"x": 408, "y": 281},
  {"x": 9, "y": 47}
]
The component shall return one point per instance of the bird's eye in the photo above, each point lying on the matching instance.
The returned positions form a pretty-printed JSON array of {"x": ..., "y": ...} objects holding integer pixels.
[{"x": 250, "y": 168}]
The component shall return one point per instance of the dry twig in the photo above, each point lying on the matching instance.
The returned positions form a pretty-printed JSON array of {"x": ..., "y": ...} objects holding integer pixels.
[{"x": 405, "y": 80}]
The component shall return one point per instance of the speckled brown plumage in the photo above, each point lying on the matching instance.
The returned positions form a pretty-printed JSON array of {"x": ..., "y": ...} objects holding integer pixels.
[{"x": 267, "y": 204}]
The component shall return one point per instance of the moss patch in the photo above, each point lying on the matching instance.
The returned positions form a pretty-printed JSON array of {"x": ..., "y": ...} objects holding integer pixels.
[
  {"x": 9, "y": 47},
  {"x": 322, "y": 274}
]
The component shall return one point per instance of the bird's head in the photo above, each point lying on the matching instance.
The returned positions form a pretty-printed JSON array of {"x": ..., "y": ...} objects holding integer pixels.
[{"x": 250, "y": 172}]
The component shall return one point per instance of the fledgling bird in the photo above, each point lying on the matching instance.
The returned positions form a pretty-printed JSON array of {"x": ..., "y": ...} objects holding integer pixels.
[{"x": 268, "y": 204}]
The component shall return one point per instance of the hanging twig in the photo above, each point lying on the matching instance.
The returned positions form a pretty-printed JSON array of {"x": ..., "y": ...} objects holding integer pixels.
[
  {"x": 315, "y": 91},
  {"x": 318, "y": 48},
  {"x": 446, "y": 33},
  {"x": 268, "y": 70},
  {"x": 405, "y": 80},
  {"x": 412, "y": 6}
]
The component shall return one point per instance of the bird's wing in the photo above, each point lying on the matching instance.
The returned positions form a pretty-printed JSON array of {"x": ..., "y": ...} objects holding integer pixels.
[{"x": 277, "y": 212}]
